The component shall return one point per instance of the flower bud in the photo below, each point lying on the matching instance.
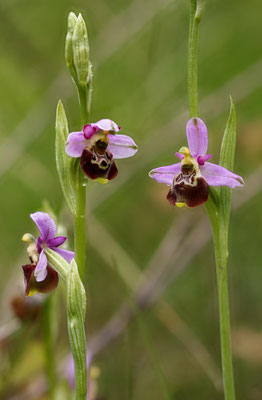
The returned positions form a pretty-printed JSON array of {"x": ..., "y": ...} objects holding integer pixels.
[
  {"x": 80, "y": 48},
  {"x": 69, "y": 58}
]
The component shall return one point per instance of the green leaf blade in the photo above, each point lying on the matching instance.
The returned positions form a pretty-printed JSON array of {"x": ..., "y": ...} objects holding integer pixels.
[
  {"x": 227, "y": 158},
  {"x": 63, "y": 161}
]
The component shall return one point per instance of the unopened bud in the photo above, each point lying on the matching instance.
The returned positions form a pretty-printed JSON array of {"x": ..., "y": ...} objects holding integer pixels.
[
  {"x": 69, "y": 58},
  {"x": 80, "y": 48}
]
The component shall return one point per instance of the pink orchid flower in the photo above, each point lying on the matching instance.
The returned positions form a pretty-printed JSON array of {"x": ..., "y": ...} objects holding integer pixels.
[
  {"x": 99, "y": 145},
  {"x": 189, "y": 180}
]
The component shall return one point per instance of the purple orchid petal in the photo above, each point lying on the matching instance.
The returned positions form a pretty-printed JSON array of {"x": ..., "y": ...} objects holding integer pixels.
[
  {"x": 202, "y": 159},
  {"x": 216, "y": 175},
  {"x": 165, "y": 174},
  {"x": 107, "y": 125},
  {"x": 180, "y": 156},
  {"x": 57, "y": 241},
  {"x": 75, "y": 144},
  {"x": 197, "y": 137},
  {"x": 66, "y": 254},
  {"x": 121, "y": 146},
  {"x": 45, "y": 224},
  {"x": 41, "y": 267},
  {"x": 89, "y": 130},
  {"x": 103, "y": 125}
]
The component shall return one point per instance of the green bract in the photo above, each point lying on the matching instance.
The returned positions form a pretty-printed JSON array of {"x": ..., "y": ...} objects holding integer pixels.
[
  {"x": 81, "y": 52},
  {"x": 227, "y": 158},
  {"x": 63, "y": 161},
  {"x": 76, "y": 307},
  {"x": 69, "y": 58}
]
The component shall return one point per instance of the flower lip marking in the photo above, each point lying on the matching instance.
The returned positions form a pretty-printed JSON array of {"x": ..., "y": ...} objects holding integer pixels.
[
  {"x": 190, "y": 179},
  {"x": 98, "y": 145}
]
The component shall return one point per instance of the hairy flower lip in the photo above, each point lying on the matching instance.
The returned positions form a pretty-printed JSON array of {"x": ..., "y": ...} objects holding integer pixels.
[
  {"x": 186, "y": 193},
  {"x": 214, "y": 174},
  {"x": 92, "y": 165}
]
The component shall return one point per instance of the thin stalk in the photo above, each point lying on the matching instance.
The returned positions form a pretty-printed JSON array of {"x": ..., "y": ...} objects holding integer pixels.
[
  {"x": 221, "y": 255},
  {"x": 80, "y": 217},
  {"x": 192, "y": 60},
  {"x": 49, "y": 344},
  {"x": 84, "y": 99},
  {"x": 220, "y": 234},
  {"x": 80, "y": 226}
]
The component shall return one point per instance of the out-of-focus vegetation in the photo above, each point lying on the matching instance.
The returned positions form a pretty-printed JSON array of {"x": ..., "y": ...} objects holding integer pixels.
[{"x": 138, "y": 50}]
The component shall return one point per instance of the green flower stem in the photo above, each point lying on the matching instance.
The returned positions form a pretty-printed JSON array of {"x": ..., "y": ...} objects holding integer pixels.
[
  {"x": 80, "y": 226},
  {"x": 84, "y": 93},
  {"x": 84, "y": 100},
  {"x": 224, "y": 317},
  {"x": 48, "y": 333},
  {"x": 192, "y": 61},
  {"x": 196, "y": 12},
  {"x": 221, "y": 256}
]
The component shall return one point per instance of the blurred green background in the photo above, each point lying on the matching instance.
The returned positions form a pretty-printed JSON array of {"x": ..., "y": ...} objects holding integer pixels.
[{"x": 139, "y": 55}]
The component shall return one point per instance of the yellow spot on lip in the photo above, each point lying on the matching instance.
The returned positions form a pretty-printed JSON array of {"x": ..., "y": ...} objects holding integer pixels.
[
  {"x": 32, "y": 292},
  {"x": 102, "y": 180},
  {"x": 180, "y": 204}
]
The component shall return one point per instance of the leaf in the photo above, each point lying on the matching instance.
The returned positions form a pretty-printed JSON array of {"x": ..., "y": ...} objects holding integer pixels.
[
  {"x": 58, "y": 263},
  {"x": 212, "y": 207},
  {"x": 76, "y": 306},
  {"x": 227, "y": 158},
  {"x": 63, "y": 161}
]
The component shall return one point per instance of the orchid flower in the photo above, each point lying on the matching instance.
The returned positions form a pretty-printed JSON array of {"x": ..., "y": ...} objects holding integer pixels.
[
  {"x": 39, "y": 276},
  {"x": 190, "y": 179},
  {"x": 98, "y": 145}
]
